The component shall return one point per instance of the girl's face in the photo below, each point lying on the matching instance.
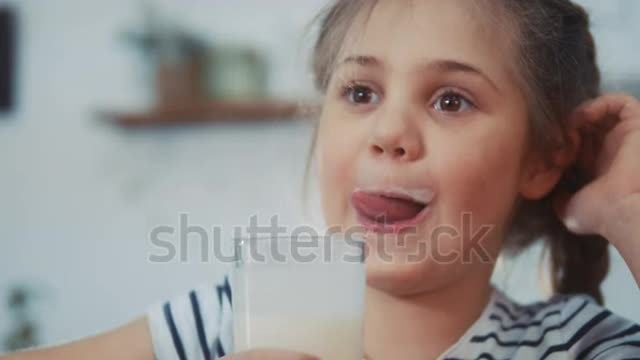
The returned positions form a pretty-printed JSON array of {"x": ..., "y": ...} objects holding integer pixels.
[{"x": 422, "y": 143}]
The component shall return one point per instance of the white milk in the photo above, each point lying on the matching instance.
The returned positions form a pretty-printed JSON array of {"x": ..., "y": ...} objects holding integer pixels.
[
  {"x": 331, "y": 339},
  {"x": 312, "y": 308}
]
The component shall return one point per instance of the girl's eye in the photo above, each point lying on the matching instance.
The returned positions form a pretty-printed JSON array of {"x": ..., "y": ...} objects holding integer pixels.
[
  {"x": 452, "y": 102},
  {"x": 361, "y": 95}
]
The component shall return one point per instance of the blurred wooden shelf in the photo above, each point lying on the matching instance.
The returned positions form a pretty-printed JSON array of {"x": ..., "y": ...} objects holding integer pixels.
[{"x": 214, "y": 111}]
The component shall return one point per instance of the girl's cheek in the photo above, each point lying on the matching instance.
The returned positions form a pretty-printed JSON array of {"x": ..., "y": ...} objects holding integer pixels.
[
  {"x": 483, "y": 183},
  {"x": 329, "y": 166},
  {"x": 336, "y": 164},
  {"x": 340, "y": 139}
]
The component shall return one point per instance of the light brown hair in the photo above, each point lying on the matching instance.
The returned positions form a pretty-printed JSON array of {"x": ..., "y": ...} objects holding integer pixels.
[{"x": 555, "y": 59}]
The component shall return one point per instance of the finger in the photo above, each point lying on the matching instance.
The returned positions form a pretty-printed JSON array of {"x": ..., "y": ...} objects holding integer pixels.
[
  {"x": 599, "y": 119},
  {"x": 588, "y": 153},
  {"x": 605, "y": 111},
  {"x": 582, "y": 213},
  {"x": 624, "y": 134},
  {"x": 597, "y": 150},
  {"x": 270, "y": 355}
]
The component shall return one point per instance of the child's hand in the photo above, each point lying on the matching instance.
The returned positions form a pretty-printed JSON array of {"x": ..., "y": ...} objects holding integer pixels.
[{"x": 610, "y": 151}]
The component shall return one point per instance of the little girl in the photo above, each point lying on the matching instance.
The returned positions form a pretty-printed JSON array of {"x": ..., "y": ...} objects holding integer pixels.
[{"x": 469, "y": 115}]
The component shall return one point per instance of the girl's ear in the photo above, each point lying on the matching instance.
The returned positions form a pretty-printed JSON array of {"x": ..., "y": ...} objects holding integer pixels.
[{"x": 540, "y": 176}]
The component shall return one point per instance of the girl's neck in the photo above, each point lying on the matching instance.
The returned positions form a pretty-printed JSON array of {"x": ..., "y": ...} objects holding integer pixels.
[{"x": 426, "y": 325}]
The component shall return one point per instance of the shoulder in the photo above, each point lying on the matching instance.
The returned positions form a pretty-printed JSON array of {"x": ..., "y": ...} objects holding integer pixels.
[
  {"x": 594, "y": 332},
  {"x": 572, "y": 325},
  {"x": 565, "y": 326},
  {"x": 182, "y": 326}
]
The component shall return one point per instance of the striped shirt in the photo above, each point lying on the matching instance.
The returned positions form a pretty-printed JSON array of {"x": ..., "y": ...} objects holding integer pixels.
[{"x": 199, "y": 325}]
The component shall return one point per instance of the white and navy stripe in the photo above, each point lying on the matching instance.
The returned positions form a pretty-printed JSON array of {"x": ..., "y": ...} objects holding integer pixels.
[
  {"x": 199, "y": 326},
  {"x": 195, "y": 326},
  {"x": 566, "y": 327}
]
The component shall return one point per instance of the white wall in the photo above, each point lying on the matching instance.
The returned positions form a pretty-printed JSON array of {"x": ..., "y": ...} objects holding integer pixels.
[
  {"x": 78, "y": 199},
  {"x": 616, "y": 25}
]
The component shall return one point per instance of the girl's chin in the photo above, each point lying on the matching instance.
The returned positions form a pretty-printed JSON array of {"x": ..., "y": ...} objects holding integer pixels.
[{"x": 404, "y": 274}]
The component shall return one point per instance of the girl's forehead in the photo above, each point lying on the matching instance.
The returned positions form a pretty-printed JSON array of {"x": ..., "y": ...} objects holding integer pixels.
[{"x": 406, "y": 34}]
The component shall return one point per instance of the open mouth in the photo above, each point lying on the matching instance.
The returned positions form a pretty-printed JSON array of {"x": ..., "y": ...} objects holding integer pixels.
[{"x": 389, "y": 212}]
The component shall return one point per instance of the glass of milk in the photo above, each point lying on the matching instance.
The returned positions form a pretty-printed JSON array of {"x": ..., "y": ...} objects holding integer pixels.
[{"x": 300, "y": 293}]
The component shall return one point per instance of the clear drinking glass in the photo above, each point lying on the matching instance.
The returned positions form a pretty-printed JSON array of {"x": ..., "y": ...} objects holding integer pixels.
[{"x": 300, "y": 293}]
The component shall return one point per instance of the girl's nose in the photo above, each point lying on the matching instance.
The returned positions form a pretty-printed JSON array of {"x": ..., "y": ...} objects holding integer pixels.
[
  {"x": 399, "y": 152},
  {"x": 396, "y": 139}
]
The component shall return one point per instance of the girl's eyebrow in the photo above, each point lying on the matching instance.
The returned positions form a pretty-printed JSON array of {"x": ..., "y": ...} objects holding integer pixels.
[
  {"x": 362, "y": 60},
  {"x": 440, "y": 65},
  {"x": 456, "y": 66}
]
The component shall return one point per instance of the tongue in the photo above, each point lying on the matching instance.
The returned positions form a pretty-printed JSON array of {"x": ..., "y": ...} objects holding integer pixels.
[{"x": 382, "y": 208}]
